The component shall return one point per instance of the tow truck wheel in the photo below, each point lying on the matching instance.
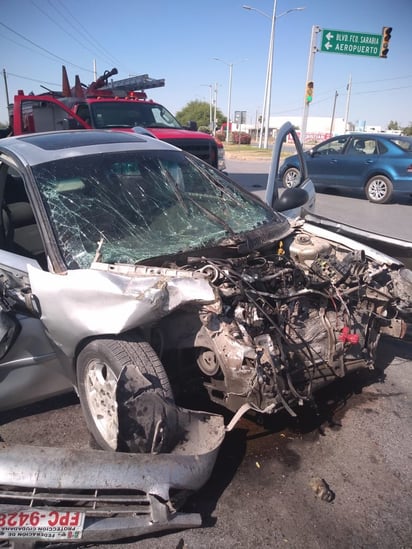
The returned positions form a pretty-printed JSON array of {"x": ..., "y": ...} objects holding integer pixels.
[
  {"x": 291, "y": 178},
  {"x": 99, "y": 367}
]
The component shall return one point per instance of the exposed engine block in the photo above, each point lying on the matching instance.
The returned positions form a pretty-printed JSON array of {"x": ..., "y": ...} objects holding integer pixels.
[{"x": 290, "y": 320}]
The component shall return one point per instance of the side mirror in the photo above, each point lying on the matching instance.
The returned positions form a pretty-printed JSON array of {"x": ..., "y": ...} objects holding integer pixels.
[
  {"x": 71, "y": 124},
  {"x": 192, "y": 125},
  {"x": 291, "y": 198}
]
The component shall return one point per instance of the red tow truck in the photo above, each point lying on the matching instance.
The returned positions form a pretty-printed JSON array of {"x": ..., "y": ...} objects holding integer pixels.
[{"x": 116, "y": 105}]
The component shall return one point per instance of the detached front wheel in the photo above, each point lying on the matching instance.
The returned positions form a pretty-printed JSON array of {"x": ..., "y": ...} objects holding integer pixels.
[
  {"x": 379, "y": 189},
  {"x": 99, "y": 366}
]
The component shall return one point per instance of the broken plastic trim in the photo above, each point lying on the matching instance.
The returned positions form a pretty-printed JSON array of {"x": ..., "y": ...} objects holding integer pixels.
[{"x": 122, "y": 495}]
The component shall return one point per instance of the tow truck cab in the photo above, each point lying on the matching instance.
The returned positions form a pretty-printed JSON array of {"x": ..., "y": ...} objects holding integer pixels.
[{"x": 117, "y": 107}]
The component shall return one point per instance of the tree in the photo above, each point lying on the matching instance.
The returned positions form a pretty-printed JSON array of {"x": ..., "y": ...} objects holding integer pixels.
[
  {"x": 393, "y": 125},
  {"x": 407, "y": 130},
  {"x": 199, "y": 111}
]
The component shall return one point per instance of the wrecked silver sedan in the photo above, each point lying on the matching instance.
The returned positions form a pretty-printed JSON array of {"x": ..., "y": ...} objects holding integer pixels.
[
  {"x": 140, "y": 271},
  {"x": 139, "y": 275}
]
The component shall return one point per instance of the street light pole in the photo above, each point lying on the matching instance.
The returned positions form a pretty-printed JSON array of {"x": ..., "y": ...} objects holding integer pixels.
[
  {"x": 215, "y": 109},
  {"x": 269, "y": 71},
  {"x": 229, "y": 100},
  {"x": 264, "y": 127},
  {"x": 210, "y": 107}
]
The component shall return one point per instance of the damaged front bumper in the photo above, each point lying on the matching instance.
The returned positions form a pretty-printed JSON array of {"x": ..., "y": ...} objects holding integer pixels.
[{"x": 59, "y": 494}]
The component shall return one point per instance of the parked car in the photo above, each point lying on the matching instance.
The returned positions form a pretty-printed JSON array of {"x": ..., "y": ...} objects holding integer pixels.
[
  {"x": 137, "y": 274},
  {"x": 378, "y": 164}
]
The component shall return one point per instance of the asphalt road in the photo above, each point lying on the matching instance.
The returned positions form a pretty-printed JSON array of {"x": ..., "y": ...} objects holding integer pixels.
[
  {"x": 358, "y": 439},
  {"x": 354, "y": 209}
]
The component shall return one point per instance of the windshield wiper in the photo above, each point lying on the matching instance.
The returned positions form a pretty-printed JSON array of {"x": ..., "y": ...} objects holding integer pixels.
[
  {"x": 98, "y": 255},
  {"x": 160, "y": 126}
]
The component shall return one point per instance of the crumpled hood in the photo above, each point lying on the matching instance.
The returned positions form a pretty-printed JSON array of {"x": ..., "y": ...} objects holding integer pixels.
[{"x": 101, "y": 301}]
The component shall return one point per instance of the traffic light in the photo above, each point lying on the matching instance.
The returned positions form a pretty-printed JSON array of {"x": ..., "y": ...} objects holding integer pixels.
[
  {"x": 309, "y": 92},
  {"x": 386, "y": 36}
]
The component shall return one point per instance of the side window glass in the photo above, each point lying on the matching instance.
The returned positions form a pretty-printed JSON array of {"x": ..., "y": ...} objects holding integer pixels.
[
  {"x": 332, "y": 147},
  {"x": 370, "y": 147},
  {"x": 19, "y": 231},
  {"x": 362, "y": 146},
  {"x": 43, "y": 116},
  {"x": 84, "y": 112}
]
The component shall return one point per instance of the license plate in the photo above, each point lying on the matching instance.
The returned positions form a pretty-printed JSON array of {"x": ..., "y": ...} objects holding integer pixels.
[{"x": 41, "y": 524}]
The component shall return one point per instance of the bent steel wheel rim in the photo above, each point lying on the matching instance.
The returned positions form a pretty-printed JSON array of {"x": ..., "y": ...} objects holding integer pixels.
[
  {"x": 378, "y": 189},
  {"x": 100, "y": 385}
]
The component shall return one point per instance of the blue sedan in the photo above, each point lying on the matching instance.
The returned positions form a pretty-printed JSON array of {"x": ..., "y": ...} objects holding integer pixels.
[{"x": 378, "y": 164}]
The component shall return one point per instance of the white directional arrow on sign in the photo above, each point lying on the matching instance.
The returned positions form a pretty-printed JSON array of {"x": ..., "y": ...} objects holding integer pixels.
[{"x": 351, "y": 43}]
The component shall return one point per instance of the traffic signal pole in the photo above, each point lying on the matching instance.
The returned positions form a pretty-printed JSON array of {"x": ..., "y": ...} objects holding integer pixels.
[{"x": 309, "y": 78}]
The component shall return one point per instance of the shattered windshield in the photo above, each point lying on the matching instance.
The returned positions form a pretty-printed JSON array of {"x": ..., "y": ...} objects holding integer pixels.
[
  {"x": 128, "y": 114},
  {"x": 130, "y": 206}
]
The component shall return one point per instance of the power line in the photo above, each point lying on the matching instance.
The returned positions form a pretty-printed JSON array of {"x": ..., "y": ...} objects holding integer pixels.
[
  {"x": 57, "y": 23},
  {"x": 384, "y": 79},
  {"x": 44, "y": 49},
  {"x": 22, "y": 45},
  {"x": 380, "y": 91},
  {"x": 31, "y": 79},
  {"x": 326, "y": 96},
  {"x": 79, "y": 27}
]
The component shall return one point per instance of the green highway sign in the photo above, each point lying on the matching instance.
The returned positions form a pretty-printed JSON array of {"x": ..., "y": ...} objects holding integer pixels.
[{"x": 351, "y": 43}]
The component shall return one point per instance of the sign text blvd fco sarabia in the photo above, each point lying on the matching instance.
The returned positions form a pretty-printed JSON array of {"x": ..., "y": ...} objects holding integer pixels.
[{"x": 351, "y": 43}]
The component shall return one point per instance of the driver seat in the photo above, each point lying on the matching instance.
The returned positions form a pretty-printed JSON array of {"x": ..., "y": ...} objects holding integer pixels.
[
  {"x": 21, "y": 233},
  {"x": 359, "y": 147}
]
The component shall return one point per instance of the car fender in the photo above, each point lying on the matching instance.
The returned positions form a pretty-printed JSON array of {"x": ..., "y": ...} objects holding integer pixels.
[
  {"x": 133, "y": 296},
  {"x": 373, "y": 171}
]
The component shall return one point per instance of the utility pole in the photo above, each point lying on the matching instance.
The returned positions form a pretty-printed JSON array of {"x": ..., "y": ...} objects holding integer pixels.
[
  {"x": 268, "y": 89},
  {"x": 349, "y": 90},
  {"x": 333, "y": 114},
  {"x": 210, "y": 108},
  {"x": 6, "y": 88},
  {"x": 210, "y": 86},
  {"x": 309, "y": 78},
  {"x": 215, "y": 109}
]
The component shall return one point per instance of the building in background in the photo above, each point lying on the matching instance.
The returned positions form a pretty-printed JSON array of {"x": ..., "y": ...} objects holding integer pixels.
[{"x": 319, "y": 128}]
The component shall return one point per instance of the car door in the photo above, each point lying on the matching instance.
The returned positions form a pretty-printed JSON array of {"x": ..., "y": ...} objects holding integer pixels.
[
  {"x": 299, "y": 200},
  {"x": 325, "y": 162},
  {"x": 29, "y": 368},
  {"x": 360, "y": 154}
]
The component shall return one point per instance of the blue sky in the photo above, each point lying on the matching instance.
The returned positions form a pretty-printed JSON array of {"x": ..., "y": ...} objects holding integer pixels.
[{"x": 177, "y": 40}]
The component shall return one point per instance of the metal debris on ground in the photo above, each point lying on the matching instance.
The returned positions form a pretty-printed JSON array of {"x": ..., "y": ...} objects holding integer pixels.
[{"x": 322, "y": 489}]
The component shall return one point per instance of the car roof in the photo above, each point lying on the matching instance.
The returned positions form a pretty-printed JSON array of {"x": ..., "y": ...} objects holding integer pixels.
[
  {"x": 374, "y": 135},
  {"x": 37, "y": 148}
]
